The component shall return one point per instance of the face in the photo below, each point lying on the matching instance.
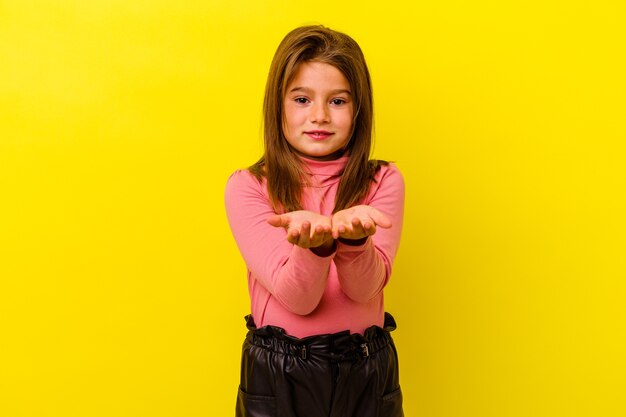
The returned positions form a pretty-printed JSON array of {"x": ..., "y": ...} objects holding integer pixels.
[{"x": 318, "y": 111}]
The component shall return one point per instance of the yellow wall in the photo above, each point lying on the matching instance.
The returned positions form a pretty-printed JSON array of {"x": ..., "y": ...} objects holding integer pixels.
[{"x": 122, "y": 292}]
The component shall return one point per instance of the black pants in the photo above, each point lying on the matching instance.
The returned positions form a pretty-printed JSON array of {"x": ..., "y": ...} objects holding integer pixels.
[{"x": 334, "y": 375}]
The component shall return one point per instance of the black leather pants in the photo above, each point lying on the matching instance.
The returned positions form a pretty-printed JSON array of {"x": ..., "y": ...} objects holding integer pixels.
[{"x": 334, "y": 375}]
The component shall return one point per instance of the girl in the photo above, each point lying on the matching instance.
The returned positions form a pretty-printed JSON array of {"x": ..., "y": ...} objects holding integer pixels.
[{"x": 318, "y": 225}]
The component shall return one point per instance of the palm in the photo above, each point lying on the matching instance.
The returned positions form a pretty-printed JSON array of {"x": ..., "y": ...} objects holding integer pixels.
[
  {"x": 358, "y": 222},
  {"x": 304, "y": 228}
]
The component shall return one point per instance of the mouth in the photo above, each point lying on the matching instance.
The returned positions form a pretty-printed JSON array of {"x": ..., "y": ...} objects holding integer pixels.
[{"x": 318, "y": 134}]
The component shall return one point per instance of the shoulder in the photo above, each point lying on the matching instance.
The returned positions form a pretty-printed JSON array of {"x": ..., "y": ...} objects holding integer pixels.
[
  {"x": 243, "y": 182},
  {"x": 244, "y": 177},
  {"x": 388, "y": 171},
  {"x": 240, "y": 176},
  {"x": 388, "y": 181}
]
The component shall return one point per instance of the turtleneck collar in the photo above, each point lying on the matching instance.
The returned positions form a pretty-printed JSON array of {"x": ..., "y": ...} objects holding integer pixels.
[{"x": 324, "y": 173}]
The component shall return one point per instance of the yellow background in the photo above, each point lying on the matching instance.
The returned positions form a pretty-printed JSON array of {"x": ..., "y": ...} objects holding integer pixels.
[{"x": 121, "y": 289}]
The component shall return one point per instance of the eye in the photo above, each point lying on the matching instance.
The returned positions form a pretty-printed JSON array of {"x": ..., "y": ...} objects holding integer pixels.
[
  {"x": 301, "y": 100},
  {"x": 338, "y": 101}
]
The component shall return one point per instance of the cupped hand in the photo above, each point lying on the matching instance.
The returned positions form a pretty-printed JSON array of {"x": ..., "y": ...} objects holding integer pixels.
[
  {"x": 305, "y": 228},
  {"x": 358, "y": 222}
]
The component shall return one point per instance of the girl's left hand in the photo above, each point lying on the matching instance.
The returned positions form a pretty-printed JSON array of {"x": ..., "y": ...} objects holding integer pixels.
[{"x": 358, "y": 222}]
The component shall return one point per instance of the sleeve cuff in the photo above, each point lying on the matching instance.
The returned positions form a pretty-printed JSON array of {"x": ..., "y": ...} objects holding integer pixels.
[
  {"x": 307, "y": 256},
  {"x": 347, "y": 245},
  {"x": 325, "y": 253}
]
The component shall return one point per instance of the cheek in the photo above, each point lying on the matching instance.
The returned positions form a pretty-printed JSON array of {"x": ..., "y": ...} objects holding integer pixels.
[
  {"x": 287, "y": 120},
  {"x": 291, "y": 118},
  {"x": 348, "y": 116},
  {"x": 347, "y": 120}
]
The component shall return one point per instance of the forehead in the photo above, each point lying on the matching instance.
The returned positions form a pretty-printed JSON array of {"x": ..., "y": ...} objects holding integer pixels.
[{"x": 318, "y": 76}]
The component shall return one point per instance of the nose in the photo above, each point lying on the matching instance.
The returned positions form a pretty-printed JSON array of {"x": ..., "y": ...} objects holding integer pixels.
[{"x": 319, "y": 113}]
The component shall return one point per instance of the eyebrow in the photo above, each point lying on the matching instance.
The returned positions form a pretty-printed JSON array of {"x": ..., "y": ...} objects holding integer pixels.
[{"x": 332, "y": 92}]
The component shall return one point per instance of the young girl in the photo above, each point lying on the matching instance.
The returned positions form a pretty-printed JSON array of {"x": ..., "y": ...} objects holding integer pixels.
[{"x": 318, "y": 225}]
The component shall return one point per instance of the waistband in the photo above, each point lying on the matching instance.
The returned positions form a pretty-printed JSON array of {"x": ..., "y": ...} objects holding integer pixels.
[{"x": 341, "y": 346}]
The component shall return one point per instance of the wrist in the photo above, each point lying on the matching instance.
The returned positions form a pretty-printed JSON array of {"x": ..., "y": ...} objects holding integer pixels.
[
  {"x": 325, "y": 249},
  {"x": 353, "y": 242}
]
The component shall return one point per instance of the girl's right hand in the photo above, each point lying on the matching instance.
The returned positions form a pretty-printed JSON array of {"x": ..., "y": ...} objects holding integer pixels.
[{"x": 305, "y": 228}]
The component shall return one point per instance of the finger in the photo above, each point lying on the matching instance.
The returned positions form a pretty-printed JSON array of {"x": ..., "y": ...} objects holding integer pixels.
[
  {"x": 335, "y": 228},
  {"x": 352, "y": 228},
  {"x": 319, "y": 234},
  {"x": 278, "y": 220},
  {"x": 358, "y": 229},
  {"x": 380, "y": 219},
  {"x": 305, "y": 235},
  {"x": 324, "y": 237},
  {"x": 316, "y": 234},
  {"x": 293, "y": 236},
  {"x": 327, "y": 229},
  {"x": 317, "y": 237},
  {"x": 341, "y": 230},
  {"x": 321, "y": 238},
  {"x": 369, "y": 228}
]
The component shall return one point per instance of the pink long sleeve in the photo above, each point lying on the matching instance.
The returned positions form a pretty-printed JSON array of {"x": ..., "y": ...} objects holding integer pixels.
[
  {"x": 296, "y": 277},
  {"x": 295, "y": 289},
  {"x": 365, "y": 270}
]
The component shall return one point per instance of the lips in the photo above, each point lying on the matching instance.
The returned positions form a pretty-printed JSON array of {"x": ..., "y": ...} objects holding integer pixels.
[{"x": 318, "y": 134}]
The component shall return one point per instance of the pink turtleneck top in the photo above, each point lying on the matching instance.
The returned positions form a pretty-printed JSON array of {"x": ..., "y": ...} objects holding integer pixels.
[{"x": 292, "y": 287}]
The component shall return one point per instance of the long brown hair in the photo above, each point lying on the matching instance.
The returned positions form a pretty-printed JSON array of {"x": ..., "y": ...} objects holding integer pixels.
[{"x": 280, "y": 164}]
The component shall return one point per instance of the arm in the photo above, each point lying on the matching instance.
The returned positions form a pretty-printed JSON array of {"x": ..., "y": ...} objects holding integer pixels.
[
  {"x": 364, "y": 261},
  {"x": 295, "y": 276}
]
